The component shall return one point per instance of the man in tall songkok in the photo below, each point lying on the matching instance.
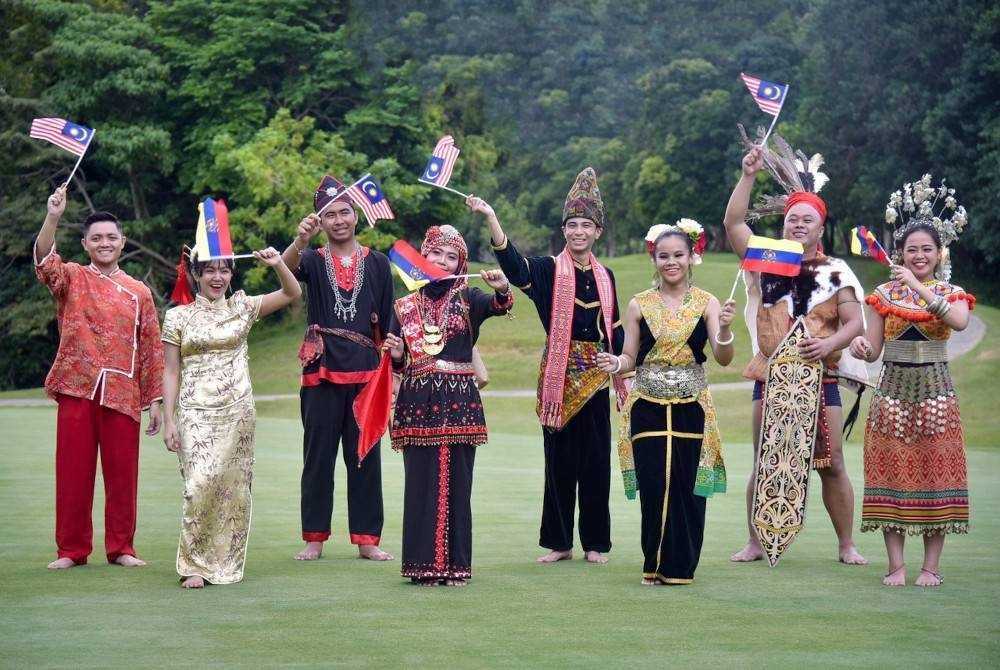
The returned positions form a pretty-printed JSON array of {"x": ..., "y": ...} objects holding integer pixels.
[{"x": 575, "y": 298}]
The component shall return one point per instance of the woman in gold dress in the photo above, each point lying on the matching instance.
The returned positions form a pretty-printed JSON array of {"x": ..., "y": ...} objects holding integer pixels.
[{"x": 209, "y": 415}]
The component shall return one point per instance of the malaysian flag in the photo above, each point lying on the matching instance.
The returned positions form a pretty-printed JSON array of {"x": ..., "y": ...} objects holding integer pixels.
[
  {"x": 367, "y": 195},
  {"x": 768, "y": 95},
  {"x": 70, "y": 136},
  {"x": 442, "y": 161}
]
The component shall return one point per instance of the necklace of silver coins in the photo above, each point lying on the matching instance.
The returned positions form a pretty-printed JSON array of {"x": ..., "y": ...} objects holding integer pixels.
[{"x": 346, "y": 310}]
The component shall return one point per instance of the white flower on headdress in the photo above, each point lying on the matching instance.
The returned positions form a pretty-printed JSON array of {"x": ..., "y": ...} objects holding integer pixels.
[
  {"x": 689, "y": 227},
  {"x": 919, "y": 202}
]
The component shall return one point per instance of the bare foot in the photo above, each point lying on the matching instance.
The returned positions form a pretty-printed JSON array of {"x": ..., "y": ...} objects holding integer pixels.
[
  {"x": 850, "y": 556},
  {"x": 62, "y": 564},
  {"x": 312, "y": 552},
  {"x": 554, "y": 556},
  {"x": 649, "y": 581},
  {"x": 455, "y": 582},
  {"x": 373, "y": 553},
  {"x": 426, "y": 581},
  {"x": 130, "y": 561},
  {"x": 896, "y": 577},
  {"x": 194, "y": 582},
  {"x": 595, "y": 557},
  {"x": 928, "y": 578},
  {"x": 748, "y": 554}
]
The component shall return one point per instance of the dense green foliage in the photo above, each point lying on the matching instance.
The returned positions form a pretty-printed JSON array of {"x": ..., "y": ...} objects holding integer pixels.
[{"x": 255, "y": 101}]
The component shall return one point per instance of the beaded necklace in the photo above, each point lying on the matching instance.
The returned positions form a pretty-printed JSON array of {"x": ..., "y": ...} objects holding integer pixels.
[{"x": 345, "y": 310}]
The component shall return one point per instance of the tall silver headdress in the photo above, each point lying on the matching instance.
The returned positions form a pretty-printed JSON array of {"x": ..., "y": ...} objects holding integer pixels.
[{"x": 920, "y": 202}]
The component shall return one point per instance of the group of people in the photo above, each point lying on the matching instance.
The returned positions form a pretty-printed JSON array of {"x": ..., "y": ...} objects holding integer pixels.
[{"x": 111, "y": 365}]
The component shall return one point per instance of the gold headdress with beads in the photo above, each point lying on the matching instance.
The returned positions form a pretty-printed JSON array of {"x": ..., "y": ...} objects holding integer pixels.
[{"x": 919, "y": 202}]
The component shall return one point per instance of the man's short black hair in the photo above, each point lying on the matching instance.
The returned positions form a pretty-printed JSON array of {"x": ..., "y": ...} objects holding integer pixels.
[{"x": 100, "y": 217}]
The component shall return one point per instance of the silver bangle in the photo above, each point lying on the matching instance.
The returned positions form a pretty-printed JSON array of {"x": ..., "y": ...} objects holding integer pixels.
[
  {"x": 297, "y": 250},
  {"x": 618, "y": 367},
  {"x": 732, "y": 338}
]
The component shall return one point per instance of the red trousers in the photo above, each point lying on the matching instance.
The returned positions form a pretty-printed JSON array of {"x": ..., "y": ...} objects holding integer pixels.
[{"x": 82, "y": 427}]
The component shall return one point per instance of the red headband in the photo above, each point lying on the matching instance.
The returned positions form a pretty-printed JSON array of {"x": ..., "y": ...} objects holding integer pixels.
[{"x": 808, "y": 198}]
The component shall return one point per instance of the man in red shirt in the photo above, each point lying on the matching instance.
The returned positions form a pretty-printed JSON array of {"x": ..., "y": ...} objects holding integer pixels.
[{"x": 108, "y": 369}]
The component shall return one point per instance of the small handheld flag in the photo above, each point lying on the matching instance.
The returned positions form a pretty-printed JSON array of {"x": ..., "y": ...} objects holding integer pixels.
[
  {"x": 367, "y": 195},
  {"x": 67, "y": 135},
  {"x": 412, "y": 268},
  {"x": 770, "y": 97},
  {"x": 778, "y": 257},
  {"x": 442, "y": 161},
  {"x": 70, "y": 136},
  {"x": 863, "y": 243},
  {"x": 439, "y": 166},
  {"x": 212, "y": 239},
  {"x": 764, "y": 254}
]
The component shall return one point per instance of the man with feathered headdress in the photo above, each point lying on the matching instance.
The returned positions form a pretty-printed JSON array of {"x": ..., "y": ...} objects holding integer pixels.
[
  {"x": 826, "y": 294},
  {"x": 575, "y": 299}
]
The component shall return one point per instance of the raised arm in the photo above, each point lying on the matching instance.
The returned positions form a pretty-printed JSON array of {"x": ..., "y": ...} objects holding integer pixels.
[
  {"x": 47, "y": 235},
  {"x": 737, "y": 229},
  {"x": 513, "y": 264},
  {"x": 290, "y": 289},
  {"x": 308, "y": 229}
]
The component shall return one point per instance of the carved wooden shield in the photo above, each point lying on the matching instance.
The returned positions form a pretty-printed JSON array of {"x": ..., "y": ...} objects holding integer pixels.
[{"x": 788, "y": 432}]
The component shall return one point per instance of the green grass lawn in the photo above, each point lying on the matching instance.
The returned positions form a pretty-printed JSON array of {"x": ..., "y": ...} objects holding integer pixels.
[{"x": 810, "y": 611}]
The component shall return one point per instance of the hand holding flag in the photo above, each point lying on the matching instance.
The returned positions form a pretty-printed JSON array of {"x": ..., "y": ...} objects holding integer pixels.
[
  {"x": 863, "y": 243},
  {"x": 770, "y": 97},
  {"x": 439, "y": 166}
]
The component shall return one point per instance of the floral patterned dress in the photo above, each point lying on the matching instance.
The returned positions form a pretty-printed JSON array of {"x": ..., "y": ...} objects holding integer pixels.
[
  {"x": 216, "y": 420},
  {"x": 915, "y": 470}
]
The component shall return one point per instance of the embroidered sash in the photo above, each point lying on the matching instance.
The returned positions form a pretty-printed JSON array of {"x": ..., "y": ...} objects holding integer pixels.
[{"x": 558, "y": 345}]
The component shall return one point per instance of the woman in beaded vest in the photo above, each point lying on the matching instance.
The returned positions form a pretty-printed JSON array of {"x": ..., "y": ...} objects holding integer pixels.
[
  {"x": 915, "y": 471},
  {"x": 438, "y": 419},
  {"x": 669, "y": 444}
]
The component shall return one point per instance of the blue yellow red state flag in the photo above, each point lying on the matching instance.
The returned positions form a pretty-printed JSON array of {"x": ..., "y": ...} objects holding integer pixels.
[
  {"x": 70, "y": 136},
  {"x": 412, "y": 268},
  {"x": 212, "y": 238},
  {"x": 778, "y": 257},
  {"x": 863, "y": 243},
  {"x": 768, "y": 95},
  {"x": 439, "y": 166}
]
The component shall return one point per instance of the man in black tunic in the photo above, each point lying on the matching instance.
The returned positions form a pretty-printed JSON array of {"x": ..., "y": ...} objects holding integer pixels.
[
  {"x": 575, "y": 299},
  {"x": 349, "y": 298}
]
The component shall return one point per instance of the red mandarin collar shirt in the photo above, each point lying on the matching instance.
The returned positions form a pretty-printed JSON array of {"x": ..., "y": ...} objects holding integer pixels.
[{"x": 109, "y": 345}]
